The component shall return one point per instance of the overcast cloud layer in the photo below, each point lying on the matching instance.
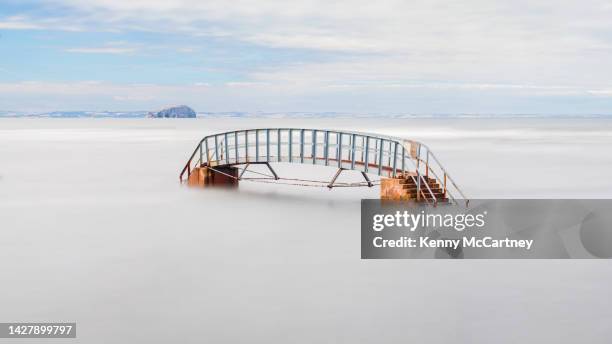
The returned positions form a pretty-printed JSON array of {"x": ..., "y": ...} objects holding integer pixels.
[{"x": 352, "y": 56}]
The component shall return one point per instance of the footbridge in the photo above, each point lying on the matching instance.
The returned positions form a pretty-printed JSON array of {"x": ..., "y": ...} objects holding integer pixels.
[{"x": 405, "y": 169}]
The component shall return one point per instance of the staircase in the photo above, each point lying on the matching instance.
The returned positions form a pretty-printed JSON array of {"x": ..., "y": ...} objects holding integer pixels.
[
  {"x": 405, "y": 187},
  {"x": 430, "y": 189}
]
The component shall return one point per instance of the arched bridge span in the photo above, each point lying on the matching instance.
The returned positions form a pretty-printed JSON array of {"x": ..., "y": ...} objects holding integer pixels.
[{"x": 385, "y": 156}]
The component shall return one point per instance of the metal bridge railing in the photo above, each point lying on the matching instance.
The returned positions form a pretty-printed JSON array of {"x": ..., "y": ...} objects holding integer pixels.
[{"x": 369, "y": 153}]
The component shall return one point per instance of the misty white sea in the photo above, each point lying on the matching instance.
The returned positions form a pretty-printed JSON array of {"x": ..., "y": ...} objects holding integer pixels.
[{"x": 96, "y": 229}]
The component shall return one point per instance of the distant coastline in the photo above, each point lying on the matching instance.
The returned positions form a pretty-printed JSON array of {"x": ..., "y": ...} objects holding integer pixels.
[{"x": 241, "y": 114}]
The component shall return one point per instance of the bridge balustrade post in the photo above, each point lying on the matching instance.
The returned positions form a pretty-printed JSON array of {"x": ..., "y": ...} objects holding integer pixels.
[
  {"x": 236, "y": 146},
  {"x": 278, "y": 144},
  {"x": 362, "y": 148},
  {"x": 257, "y": 145},
  {"x": 246, "y": 145},
  {"x": 302, "y": 146},
  {"x": 216, "y": 148},
  {"x": 314, "y": 147},
  {"x": 444, "y": 184},
  {"x": 339, "y": 154},
  {"x": 380, "y": 156},
  {"x": 394, "y": 159},
  {"x": 418, "y": 172},
  {"x": 326, "y": 144},
  {"x": 226, "y": 149},
  {"x": 427, "y": 164},
  {"x": 267, "y": 145},
  {"x": 290, "y": 145},
  {"x": 207, "y": 155},
  {"x": 367, "y": 152},
  {"x": 353, "y": 139},
  {"x": 403, "y": 159},
  {"x": 375, "y": 161}
]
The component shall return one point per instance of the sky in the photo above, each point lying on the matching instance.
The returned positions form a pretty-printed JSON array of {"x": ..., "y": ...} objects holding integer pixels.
[{"x": 386, "y": 56}]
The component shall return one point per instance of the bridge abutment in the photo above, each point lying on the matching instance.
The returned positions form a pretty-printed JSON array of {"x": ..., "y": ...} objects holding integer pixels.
[
  {"x": 219, "y": 177},
  {"x": 393, "y": 189},
  {"x": 406, "y": 186}
]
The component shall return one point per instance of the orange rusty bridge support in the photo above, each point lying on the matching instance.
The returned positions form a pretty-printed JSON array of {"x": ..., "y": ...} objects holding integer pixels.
[{"x": 225, "y": 176}]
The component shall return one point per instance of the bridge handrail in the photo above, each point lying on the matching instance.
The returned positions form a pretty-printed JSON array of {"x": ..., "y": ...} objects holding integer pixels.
[{"x": 446, "y": 174}]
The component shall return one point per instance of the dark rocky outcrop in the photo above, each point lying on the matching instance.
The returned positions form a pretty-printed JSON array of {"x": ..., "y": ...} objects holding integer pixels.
[{"x": 181, "y": 111}]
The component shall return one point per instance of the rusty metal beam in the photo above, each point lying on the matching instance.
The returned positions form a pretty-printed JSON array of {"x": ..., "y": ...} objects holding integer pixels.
[
  {"x": 365, "y": 176},
  {"x": 272, "y": 170},
  {"x": 244, "y": 170},
  {"x": 331, "y": 184}
]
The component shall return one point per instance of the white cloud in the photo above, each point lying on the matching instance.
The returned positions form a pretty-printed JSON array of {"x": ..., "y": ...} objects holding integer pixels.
[
  {"x": 19, "y": 25},
  {"x": 603, "y": 93},
  {"x": 545, "y": 47},
  {"x": 245, "y": 84},
  {"x": 367, "y": 25},
  {"x": 116, "y": 47},
  {"x": 133, "y": 98},
  {"x": 101, "y": 50},
  {"x": 187, "y": 50},
  {"x": 318, "y": 41},
  {"x": 26, "y": 23},
  {"x": 475, "y": 41}
]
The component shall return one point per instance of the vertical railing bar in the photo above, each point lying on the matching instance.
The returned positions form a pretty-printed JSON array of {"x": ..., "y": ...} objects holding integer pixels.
[
  {"x": 363, "y": 138},
  {"x": 257, "y": 145},
  {"x": 326, "y": 144},
  {"x": 380, "y": 156},
  {"x": 290, "y": 145},
  {"x": 207, "y": 155},
  {"x": 418, "y": 155},
  {"x": 278, "y": 144},
  {"x": 403, "y": 159},
  {"x": 246, "y": 145},
  {"x": 302, "y": 146},
  {"x": 267, "y": 145},
  {"x": 389, "y": 155},
  {"x": 226, "y": 149},
  {"x": 395, "y": 159},
  {"x": 236, "y": 146},
  {"x": 444, "y": 184},
  {"x": 216, "y": 148},
  {"x": 375, "y": 152},
  {"x": 339, "y": 151},
  {"x": 367, "y": 152},
  {"x": 427, "y": 165},
  {"x": 353, "y": 151},
  {"x": 314, "y": 147}
]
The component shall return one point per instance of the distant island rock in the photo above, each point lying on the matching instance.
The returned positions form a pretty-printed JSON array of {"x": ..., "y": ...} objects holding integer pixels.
[{"x": 181, "y": 111}]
